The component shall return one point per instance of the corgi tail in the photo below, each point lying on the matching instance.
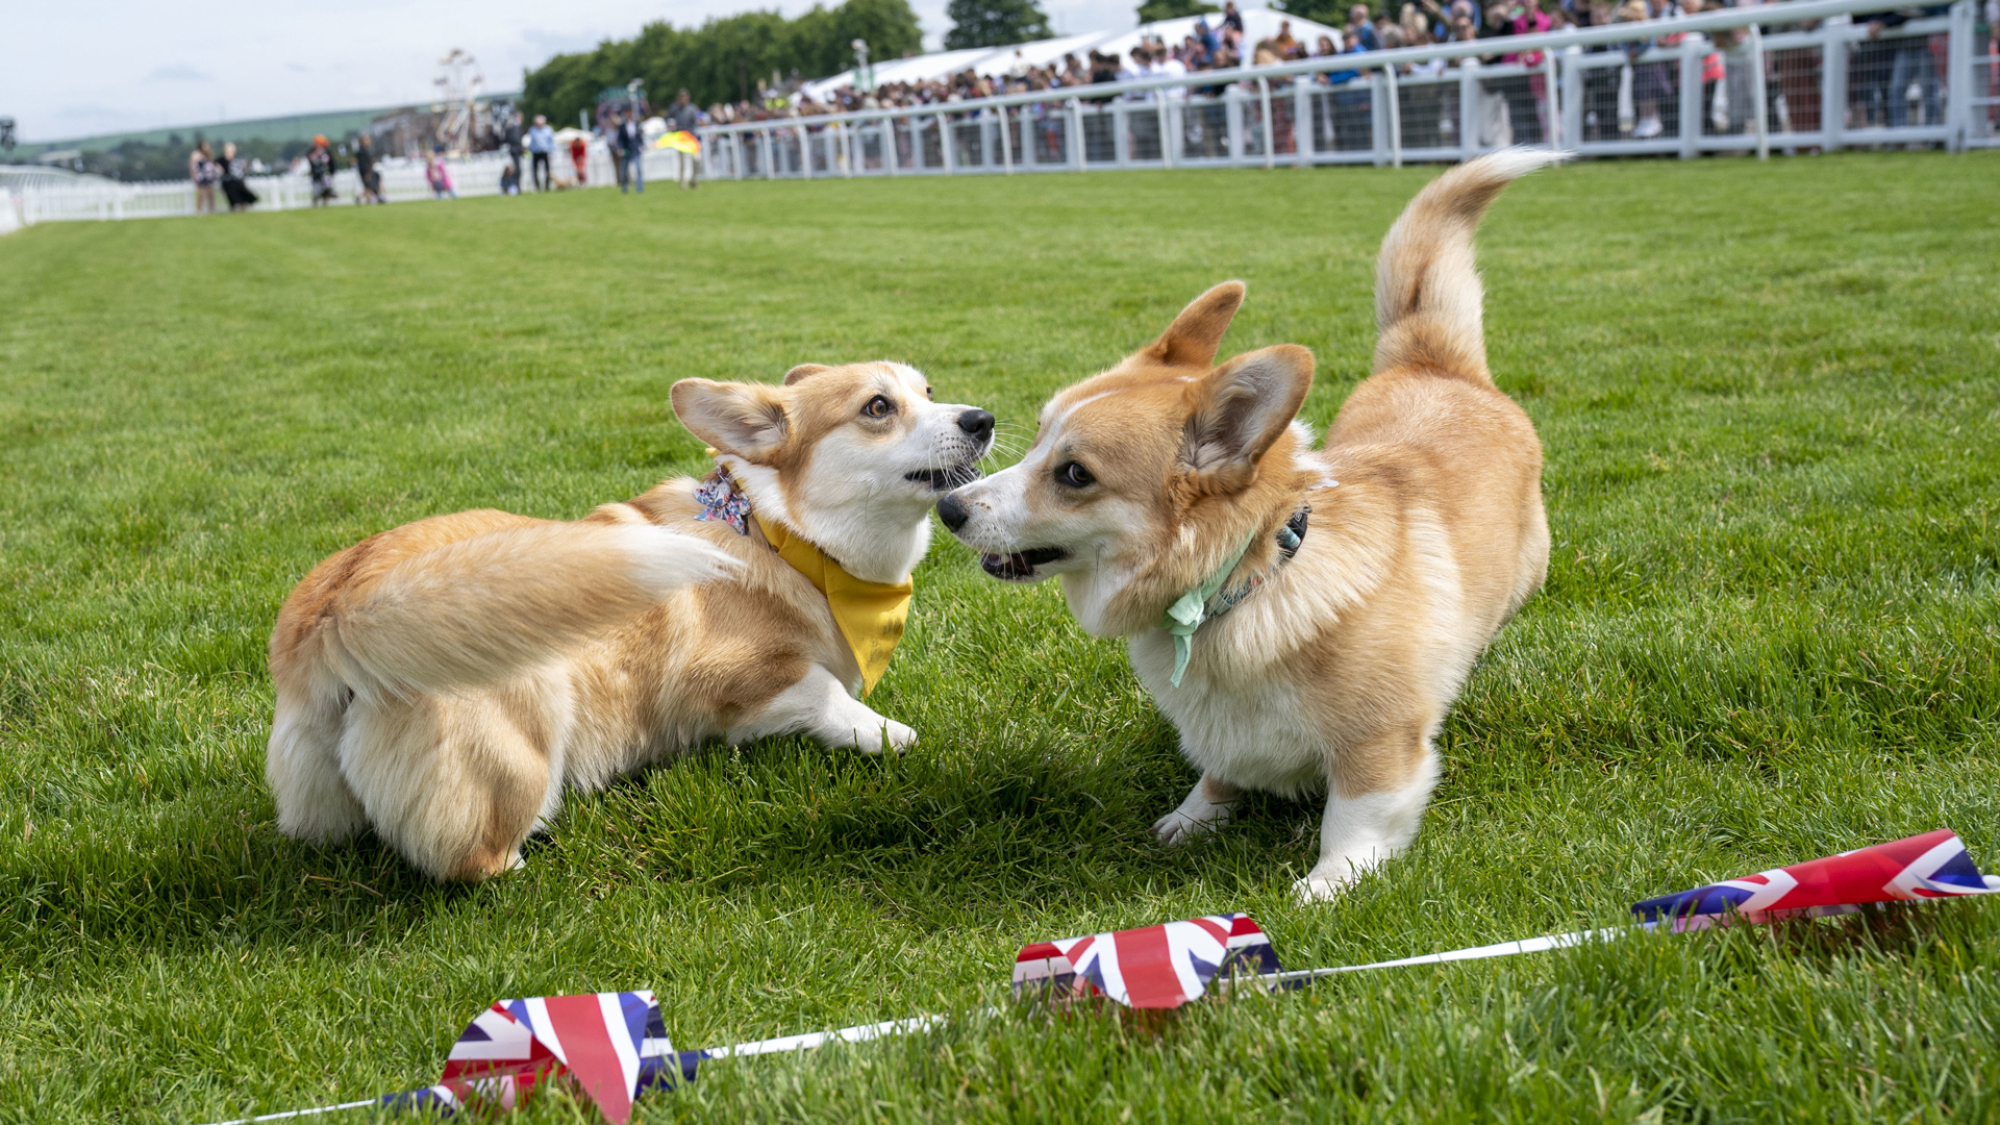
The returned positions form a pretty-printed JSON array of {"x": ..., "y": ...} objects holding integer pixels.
[
  {"x": 1428, "y": 298},
  {"x": 476, "y": 611}
]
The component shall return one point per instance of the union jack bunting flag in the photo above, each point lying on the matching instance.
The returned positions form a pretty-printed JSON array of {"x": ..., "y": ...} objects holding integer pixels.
[
  {"x": 1161, "y": 966},
  {"x": 600, "y": 1042},
  {"x": 1933, "y": 865}
]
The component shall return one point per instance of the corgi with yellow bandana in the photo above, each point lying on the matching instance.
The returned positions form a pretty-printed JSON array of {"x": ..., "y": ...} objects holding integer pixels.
[{"x": 443, "y": 682}]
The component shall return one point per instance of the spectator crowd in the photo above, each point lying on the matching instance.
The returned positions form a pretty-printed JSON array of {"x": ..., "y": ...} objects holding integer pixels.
[
  {"x": 1893, "y": 80},
  {"x": 1637, "y": 102}
]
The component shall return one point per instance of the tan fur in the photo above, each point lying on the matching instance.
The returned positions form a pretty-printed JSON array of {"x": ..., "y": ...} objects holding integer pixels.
[
  {"x": 442, "y": 681},
  {"x": 1338, "y": 671}
]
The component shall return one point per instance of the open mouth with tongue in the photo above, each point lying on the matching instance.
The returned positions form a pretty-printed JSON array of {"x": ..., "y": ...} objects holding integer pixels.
[
  {"x": 945, "y": 479},
  {"x": 1020, "y": 564}
]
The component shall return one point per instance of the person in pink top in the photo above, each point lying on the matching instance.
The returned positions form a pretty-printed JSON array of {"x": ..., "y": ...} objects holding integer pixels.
[
  {"x": 1528, "y": 20},
  {"x": 438, "y": 176}
]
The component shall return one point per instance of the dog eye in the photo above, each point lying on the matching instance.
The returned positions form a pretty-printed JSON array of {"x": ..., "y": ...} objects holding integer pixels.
[
  {"x": 1075, "y": 475},
  {"x": 928, "y": 395},
  {"x": 879, "y": 407}
]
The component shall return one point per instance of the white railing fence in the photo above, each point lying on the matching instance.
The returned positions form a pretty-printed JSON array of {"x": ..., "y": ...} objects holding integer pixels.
[
  {"x": 84, "y": 198},
  {"x": 1818, "y": 82},
  {"x": 1626, "y": 89}
]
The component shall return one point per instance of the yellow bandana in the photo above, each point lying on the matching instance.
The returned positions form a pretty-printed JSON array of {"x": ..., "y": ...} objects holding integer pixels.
[{"x": 870, "y": 614}]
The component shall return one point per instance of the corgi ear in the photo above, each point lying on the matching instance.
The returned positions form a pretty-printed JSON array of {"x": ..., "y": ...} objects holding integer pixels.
[
  {"x": 1193, "y": 337},
  {"x": 1240, "y": 408},
  {"x": 804, "y": 371},
  {"x": 746, "y": 419}
]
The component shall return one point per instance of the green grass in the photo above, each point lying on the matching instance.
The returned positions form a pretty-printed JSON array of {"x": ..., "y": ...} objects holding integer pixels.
[{"x": 1769, "y": 399}]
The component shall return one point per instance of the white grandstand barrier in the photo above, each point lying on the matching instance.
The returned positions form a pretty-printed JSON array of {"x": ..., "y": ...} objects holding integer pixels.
[
  {"x": 1823, "y": 88},
  {"x": 78, "y": 198}
]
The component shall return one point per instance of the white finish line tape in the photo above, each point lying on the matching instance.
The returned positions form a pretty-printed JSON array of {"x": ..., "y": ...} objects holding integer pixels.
[
  {"x": 862, "y": 1033},
  {"x": 302, "y": 1112},
  {"x": 812, "y": 1040},
  {"x": 1477, "y": 953}
]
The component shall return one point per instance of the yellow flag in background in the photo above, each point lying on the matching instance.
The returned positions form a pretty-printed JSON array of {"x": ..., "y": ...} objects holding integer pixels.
[{"x": 680, "y": 142}]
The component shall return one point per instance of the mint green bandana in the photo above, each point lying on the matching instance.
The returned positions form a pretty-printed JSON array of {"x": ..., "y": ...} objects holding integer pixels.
[
  {"x": 1191, "y": 609},
  {"x": 1209, "y": 600}
]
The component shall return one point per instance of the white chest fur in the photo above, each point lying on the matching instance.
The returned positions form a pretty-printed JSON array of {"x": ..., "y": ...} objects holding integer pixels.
[{"x": 1235, "y": 722}]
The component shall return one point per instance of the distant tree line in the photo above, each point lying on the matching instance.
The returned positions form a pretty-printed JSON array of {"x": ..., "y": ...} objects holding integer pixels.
[
  {"x": 723, "y": 59},
  {"x": 995, "y": 23},
  {"x": 1152, "y": 11}
]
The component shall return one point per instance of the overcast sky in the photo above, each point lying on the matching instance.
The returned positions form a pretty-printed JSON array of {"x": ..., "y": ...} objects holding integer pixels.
[{"x": 76, "y": 67}]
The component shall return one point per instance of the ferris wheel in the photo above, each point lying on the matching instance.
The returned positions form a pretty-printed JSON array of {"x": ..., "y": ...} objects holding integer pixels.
[{"x": 458, "y": 82}]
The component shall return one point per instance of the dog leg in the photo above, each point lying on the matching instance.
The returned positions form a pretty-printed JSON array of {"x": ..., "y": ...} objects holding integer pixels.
[
  {"x": 819, "y": 706},
  {"x": 1360, "y": 831},
  {"x": 303, "y": 768},
  {"x": 1208, "y": 807},
  {"x": 454, "y": 784}
]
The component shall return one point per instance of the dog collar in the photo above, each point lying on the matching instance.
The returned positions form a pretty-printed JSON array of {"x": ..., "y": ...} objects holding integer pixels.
[
  {"x": 871, "y": 615},
  {"x": 1211, "y": 600}
]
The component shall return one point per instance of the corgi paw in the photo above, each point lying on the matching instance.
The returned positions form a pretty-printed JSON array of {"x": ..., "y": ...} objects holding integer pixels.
[
  {"x": 1200, "y": 814},
  {"x": 1179, "y": 826},
  {"x": 891, "y": 734},
  {"x": 1329, "y": 878},
  {"x": 1319, "y": 888}
]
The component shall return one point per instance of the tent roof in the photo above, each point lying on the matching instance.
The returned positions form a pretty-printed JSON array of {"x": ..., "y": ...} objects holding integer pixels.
[
  {"x": 1258, "y": 24},
  {"x": 921, "y": 68},
  {"x": 1042, "y": 52}
]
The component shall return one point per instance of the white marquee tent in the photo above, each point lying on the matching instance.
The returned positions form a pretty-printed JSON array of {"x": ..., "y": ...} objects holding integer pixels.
[{"x": 1258, "y": 24}]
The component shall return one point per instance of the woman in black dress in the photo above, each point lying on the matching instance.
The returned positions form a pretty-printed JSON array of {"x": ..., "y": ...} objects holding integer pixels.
[{"x": 233, "y": 188}]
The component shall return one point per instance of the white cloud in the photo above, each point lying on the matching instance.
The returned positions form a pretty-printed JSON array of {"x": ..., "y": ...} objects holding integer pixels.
[{"x": 178, "y": 72}]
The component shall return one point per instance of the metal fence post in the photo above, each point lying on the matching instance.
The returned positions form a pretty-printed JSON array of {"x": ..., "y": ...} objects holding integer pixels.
[
  {"x": 1270, "y": 134},
  {"x": 1832, "y": 85},
  {"x": 1166, "y": 130},
  {"x": 1760, "y": 92},
  {"x": 1468, "y": 108},
  {"x": 1395, "y": 98},
  {"x": 1006, "y": 142},
  {"x": 1078, "y": 153},
  {"x": 1121, "y": 141},
  {"x": 1958, "y": 76},
  {"x": 947, "y": 142},
  {"x": 1693, "y": 47},
  {"x": 1232, "y": 115},
  {"x": 1378, "y": 116},
  {"x": 1572, "y": 101},
  {"x": 1553, "y": 80},
  {"x": 1302, "y": 130}
]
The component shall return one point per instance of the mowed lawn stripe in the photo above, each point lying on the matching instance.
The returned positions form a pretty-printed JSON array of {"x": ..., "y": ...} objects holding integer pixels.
[{"x": 1768, "y": 395}]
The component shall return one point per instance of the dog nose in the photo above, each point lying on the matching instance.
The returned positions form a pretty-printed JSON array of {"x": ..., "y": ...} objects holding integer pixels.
[
  {"x": 978, "y": 423},
  {"x": 950, "y": 510}
]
